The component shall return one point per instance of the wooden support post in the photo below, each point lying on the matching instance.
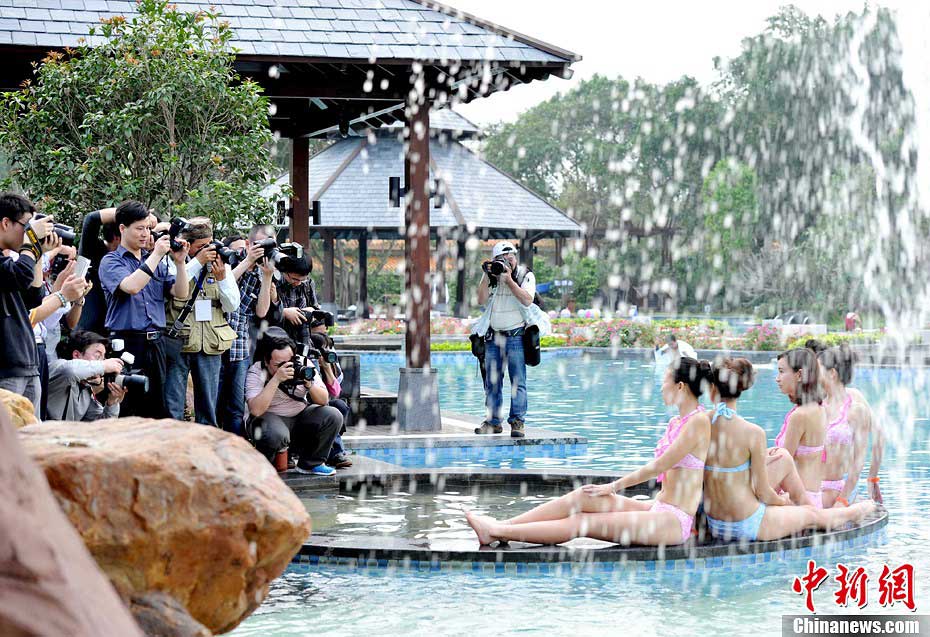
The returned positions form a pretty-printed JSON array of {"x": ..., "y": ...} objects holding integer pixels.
[
  {"x": 526, "y": 253},
  {"x": 300, "y": 183},
  {"x": 559, "y": 259},
  {"x": 329, "y": 263},
  {"x": 439, "y": 278},
  {"x": 416, "y": 244},
  {"x": 461, "y": 308},
  {"x": 362, "y": 275}
]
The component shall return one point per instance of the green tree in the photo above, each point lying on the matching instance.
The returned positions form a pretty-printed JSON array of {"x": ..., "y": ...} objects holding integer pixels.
[{"x": 153, "y": 111}]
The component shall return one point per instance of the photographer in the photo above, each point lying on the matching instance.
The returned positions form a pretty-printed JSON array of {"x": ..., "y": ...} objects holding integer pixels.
[
  {"x": 205, "y": 334},
  {"x": 505, "y": 286},
  {"x": 257, "y": 291},
  {"x": 293, "y": 411},
  {"x": 297, "y": 296},
  {"x": 332, "y": 375},
  {"x": 94, "y": 248},
  {"x": 135, "y": 284},
  {"x": 77, "y": 390},
  {"x": 21, "y": 288}
]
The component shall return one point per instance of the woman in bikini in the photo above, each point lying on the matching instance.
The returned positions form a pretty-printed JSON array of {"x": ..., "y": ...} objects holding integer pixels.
[
  {"x": 597, "y": 511},
  {"x": 803, "y": 431},
  {"x": 739, "y": 502},
  {"x": 849, "y": 427}
]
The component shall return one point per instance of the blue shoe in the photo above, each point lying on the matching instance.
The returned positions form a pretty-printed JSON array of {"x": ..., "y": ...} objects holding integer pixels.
[{"x": 318, "y": 470}]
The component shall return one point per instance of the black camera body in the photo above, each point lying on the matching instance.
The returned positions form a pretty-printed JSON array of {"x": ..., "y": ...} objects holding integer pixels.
[
  {"x": 66, "y": 233},
  {"x": 304, "y": 369},
  {"x": 178, "y": 225},
  {"x": 129, "y": 378},
  {"x": 227, "y": 255},
  {"x": 319, "y": 317},
  {"x": 323, "y": 344},
  {"x": 494, "y": 268},
  {"x": 275, "y": 252}
]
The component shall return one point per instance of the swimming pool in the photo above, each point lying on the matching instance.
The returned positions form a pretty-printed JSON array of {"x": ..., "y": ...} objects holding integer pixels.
[{"x": 616, "y": 405}]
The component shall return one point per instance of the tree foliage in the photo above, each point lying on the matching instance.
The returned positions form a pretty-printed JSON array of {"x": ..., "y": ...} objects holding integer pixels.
[{"x": 152, "y": 111}]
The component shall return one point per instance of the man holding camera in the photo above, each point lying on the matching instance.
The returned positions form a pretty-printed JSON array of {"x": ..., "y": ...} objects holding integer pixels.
[
  {"x": 136, "y": 283},
  {"x": 77, "y": 386},
  {"x": 332, "y": 376},
  {"x": 297, "y": 296},
  {"x": 20, "y": 289},
  {"x": 505, "y": 287},
  {"x": 255, "y": 275},
  {"x": 285, "y": 391},
  {"x": 199, "y": 332}
]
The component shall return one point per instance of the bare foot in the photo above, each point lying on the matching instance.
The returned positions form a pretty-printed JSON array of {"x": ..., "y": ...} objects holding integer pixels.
[{"x": 480, "y": 527}]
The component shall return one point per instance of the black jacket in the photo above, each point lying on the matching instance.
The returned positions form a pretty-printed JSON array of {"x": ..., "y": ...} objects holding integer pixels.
[{"x": 18, "y": 354}]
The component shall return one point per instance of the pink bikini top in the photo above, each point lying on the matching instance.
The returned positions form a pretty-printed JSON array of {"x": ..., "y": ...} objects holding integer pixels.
[
  {"x": 672, "y": 430},
  {"x": 803, "y": 450},
  {"x": 839, "y": 432}
]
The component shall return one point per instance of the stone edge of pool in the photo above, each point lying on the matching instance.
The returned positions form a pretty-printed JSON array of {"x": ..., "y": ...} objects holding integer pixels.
[{"x": 361, "y": 552}]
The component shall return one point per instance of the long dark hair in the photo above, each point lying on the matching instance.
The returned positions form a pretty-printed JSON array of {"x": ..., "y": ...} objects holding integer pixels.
[
  {"x": 733, "y": 376},
  {"x": 841, "y": 358},
  {"x": 804, "y": 360}
]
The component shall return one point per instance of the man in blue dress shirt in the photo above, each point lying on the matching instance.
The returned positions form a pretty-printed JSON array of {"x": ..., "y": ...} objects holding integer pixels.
[{"x": 136, "y": 283}]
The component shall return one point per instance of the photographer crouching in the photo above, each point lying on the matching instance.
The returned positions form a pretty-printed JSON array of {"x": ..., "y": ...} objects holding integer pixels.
[
  {"x": 331, "y": 372},
  {"x": 83, "y": 383},
  {"x": 504, "y": 287},
  {"x": 286, "y": 392}
]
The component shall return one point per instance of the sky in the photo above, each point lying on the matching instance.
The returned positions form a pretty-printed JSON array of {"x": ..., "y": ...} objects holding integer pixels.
[{"x": 658, "y": 40}]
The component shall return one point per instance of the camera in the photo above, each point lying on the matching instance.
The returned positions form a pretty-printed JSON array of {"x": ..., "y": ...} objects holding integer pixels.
[
  {"x": 130, "y": 378},
  {"x": 227, "y": 255},
  {"x": 304, "y": 369},
  {"x": 178, "y": 225},
  {"x": 324, "y": 346},
  {"x": 274, "y": 252},
  {"x": 318, "y": 317},
  {"x": 494, "y": 268},
  {"x": 66, "y": 233},
  {"x": 59, "y": 263}
]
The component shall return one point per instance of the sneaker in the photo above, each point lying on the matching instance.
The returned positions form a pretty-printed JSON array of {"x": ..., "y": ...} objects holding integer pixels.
[
  {"x": 318, "y": 470},
  {"x": 517, "y": 429},
  {"x": 488, "y": 428},
  {"x": 341, "y": 461}
]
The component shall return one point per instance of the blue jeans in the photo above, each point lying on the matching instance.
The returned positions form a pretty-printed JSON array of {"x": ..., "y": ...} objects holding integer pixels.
[
  {"x": 500, "y": 350},
  {"x": 338, "y": 449},
  {"x": 231, "y": 397},
  {"x": 205, "y": 369}
]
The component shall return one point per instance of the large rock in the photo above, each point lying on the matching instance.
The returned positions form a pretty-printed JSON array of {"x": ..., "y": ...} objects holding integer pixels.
[
  {"x": 49, "y": 583},
  {"x": 174, "y": 507},
  {"x": 22, "y": 412}
]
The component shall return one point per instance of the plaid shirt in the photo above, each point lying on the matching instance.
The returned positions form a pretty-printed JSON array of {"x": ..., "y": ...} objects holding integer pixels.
[
  {"x": 240, "y": 320},
  {"x": 303, "y": 295}
]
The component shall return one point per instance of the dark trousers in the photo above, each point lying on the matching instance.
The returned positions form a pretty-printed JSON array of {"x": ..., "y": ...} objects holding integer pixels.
[
  {"x": 309, "y": 434},
  {"x": 338, "y": 448},
  {"x": 43, "y": 380},
  {"x": 150, "y": 361}
]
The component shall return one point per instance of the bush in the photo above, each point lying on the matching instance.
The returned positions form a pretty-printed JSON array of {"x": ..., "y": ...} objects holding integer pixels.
[
  {"x": 763, "y": 338},
  {"x": 833, "y": 339}
]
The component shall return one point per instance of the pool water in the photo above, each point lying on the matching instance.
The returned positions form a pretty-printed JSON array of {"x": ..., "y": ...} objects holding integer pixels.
[
  {"x": 617, "y": 406},
  {"x": 420, "y": 514}
]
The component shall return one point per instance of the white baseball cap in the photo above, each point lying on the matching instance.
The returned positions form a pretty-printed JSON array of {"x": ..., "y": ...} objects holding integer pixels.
[{"x": 503, "y": 247}]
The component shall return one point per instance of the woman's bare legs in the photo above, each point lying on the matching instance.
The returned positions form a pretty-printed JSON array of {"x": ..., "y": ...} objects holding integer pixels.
[
  {"x": 651, "y": 528},
  {"x": 782, "y": 521},
  {"x": 578, "y": 502},
  {"x": 783, "y": 474}
]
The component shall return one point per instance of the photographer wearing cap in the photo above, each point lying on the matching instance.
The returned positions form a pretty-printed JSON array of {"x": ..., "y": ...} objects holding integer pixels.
[
  {"x": 505, "y": 286},
  {"x": 76, "y": 386},
  {"x": 297, "y": 296},
  {"x": 22, "y": 240},
  {"x": 136, "y": 283},
  {"x": 199, "y": 333},
  {"x": 255, "y": 276},
  {"x": 292, "y": 407}
]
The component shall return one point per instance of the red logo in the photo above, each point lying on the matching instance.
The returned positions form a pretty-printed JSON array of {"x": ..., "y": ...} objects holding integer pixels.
[{"x": 893, "y": 585}]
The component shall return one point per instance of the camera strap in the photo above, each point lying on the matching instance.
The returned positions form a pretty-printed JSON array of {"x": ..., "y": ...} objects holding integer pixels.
[{"x": 189, "y": 306}]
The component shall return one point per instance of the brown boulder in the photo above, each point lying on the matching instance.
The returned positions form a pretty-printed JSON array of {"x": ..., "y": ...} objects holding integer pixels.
[
  {"x": 173, "y": 507},
  {"x": 49, "y": 584},
  {"x": 22, "y": 412}
]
